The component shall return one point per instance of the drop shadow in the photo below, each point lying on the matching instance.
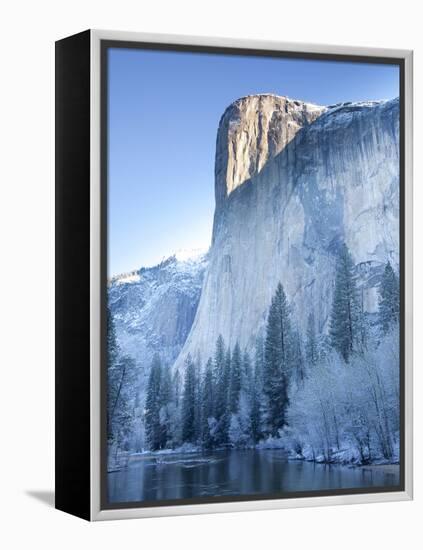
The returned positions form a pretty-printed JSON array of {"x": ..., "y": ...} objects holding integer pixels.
[{"x": 46, "y": 497}]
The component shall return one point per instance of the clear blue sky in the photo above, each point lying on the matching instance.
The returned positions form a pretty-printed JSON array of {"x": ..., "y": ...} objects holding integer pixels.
[{"x": 164, "y": 109}]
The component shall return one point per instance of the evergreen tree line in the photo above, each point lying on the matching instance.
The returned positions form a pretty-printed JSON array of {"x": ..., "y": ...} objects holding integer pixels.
[
  {"x": 238, "y": 400},
  {"x": 212, "y": 410}
]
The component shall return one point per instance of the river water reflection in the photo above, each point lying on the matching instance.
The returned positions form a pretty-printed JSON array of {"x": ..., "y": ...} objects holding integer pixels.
[{"x": 236, "y": 472}]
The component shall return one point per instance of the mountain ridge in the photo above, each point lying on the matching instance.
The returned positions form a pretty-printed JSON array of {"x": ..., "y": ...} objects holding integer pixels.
[{"x": 153, "y": 307}]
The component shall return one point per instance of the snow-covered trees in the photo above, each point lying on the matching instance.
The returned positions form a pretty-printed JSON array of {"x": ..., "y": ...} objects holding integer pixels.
[
  {"x": 327, "y": 395},
  {"x": 350, "y": 414},
  {"x": 235, "y": 380},
  {"x": 189, "y": 402},
  {"x": 241, "y": 418},
  {"x": 113, "y": 372},
  {"x": 277, "y": 356},
  {"x": 208, "y": 407},
  {"x": 389, "y": 300},
  {"x": 348, "y": 407},
  {"x": 343, "y": 322},
  {"x": 165, "y": 407},
  {"x": 222, "y": 365},
  {"x": 152, "y": 405},
  {"x": 159, "y": 407},
  {"x": 120, "y": 398},
  {"x": 311, "y": 341},
  {"x": 257, "y": 397}
]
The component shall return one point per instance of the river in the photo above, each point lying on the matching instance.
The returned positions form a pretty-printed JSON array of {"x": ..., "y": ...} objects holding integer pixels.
[{"x": 236, "y": 472}]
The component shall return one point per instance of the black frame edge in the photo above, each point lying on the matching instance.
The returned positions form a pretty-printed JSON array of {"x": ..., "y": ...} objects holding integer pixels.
[{"x": 72, "y": 298}]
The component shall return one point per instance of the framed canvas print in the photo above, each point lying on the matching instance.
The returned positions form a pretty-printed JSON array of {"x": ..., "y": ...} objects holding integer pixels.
[{"x": 233, "y": 275}]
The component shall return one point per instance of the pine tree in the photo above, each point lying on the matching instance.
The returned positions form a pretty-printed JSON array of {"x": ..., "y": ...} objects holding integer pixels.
[
  {"x": 311, "y": 341},
  {"x": 173, "y": 410},
  {"x": 246, "y": 397},
  {"x": 257, "y": 393},
  {"x": 389, "y": 299},
  {"x": 247, "y": 374},
  {"x": 227, "y": 373},
  {"x": 176, "y": 388},
  {"x": 164, "y": 400},
  {"x": 189, "y": 403},
  {"x": 255, "y": 418},
  {"x": 235, "y": 379},
  {"x": 207, "y": 406},
  {"x": 344, "y": 329},
  {"x": 152, "y": 405},
  {"x": 297, "y": 357},
  {"x": 277, "y": 361},
  {"x": 219, "y": 373},
  {"x": 197, "y": 401},
  {"x": 362, "y": 323},
  {"x": 225, "y": 419},
  {"x": 222, "y": 372}
]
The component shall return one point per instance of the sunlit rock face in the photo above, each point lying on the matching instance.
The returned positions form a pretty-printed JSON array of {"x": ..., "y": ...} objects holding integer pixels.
[
  {"x": 293, "y": 181},
  {"x": 253, "y": 130}
]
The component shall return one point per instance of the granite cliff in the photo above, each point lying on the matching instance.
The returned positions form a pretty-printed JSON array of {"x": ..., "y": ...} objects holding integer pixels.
[{"x": 293, "y": 181}]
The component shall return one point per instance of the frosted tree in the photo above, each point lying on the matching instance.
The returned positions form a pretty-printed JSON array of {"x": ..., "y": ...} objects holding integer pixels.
[
  {"x": 240, "y": 398},
  {"x": 198, "y": 396},
  {"x": 113, "y": 372},
  {"x": 227, "y": 373},
  {"x": 313, "y": 413},
  {"x": 122, "y": 410},
  {"x": 176, "y": 388},
  {"x": 246, "y": 397},
  {"x": 121, "y": 374},
  {"x": 152, "y": 405},
  {"x": 112, "y": 345},
  {"x": 257, "y": 393},
  {"x": 165, "y": 409},
  {"x": 389, "y": 299},
  {"x": 189, "y": 402},
  {"x": 277, "y": 361},
  {"x": 247, "y": 374},
  {"x": 235, "y": 379},
  {"x": 222, "y": 366},
  {"x": 311, "y": 341},
  {"x": 174, "y": 411},
  {"x": 220, "y": 377},
  {"x": 350, "y": 414},
  {"x": 344, "y": 315},
  {"x": 363, "y": 325},
  {"x": 208, "y": 422},
  {"x": 297, "y": 358},
  {"x": 235, "y": 433}
]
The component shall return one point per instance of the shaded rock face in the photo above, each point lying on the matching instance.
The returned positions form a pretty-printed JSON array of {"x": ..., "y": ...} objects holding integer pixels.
[
  {"x": 293, "y": 181},
  {"x": 154, "y": 308}
]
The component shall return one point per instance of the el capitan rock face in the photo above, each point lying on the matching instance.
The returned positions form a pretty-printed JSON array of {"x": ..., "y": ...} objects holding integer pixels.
[
  {"x": 293, "y": 181},
  {"x": 253, "y": 130}
]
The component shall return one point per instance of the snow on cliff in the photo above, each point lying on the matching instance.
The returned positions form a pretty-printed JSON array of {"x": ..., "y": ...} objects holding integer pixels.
[
  {"x": 153, "y": 308},
  {"x": 292, "y": 182}
]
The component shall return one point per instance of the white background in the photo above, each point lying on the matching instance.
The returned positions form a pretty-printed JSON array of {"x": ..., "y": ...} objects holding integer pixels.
[{"x": 28, "y": 31}]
